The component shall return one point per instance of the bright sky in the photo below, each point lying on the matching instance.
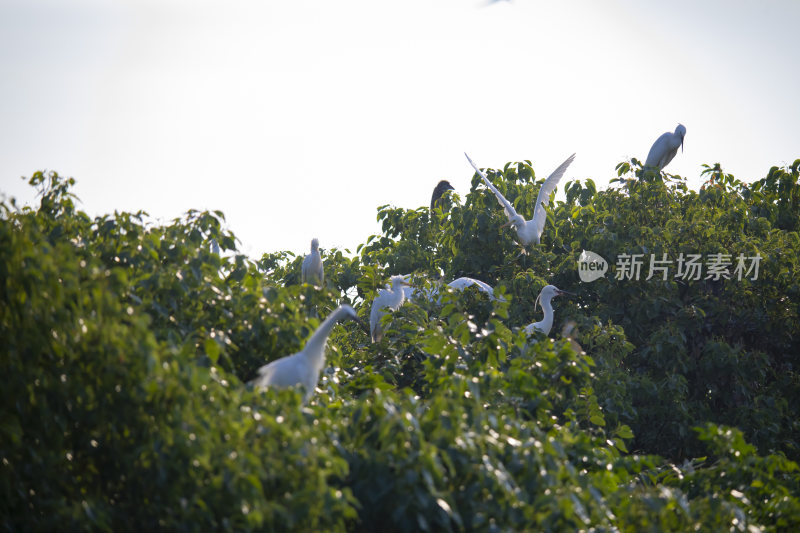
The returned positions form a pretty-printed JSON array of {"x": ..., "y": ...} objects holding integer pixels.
[{"x": 298, "y": 118}]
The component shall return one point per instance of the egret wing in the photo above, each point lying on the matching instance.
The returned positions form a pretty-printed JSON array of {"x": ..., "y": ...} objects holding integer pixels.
[
  {"x": 530, "y": 329},
  {"x": 668, "y": 156},
  {"x": 509, "y": 209},
  {"x": 464, "y": 282},
  {"x": 279, "y": 373},
  {"x": 539, "y": 215},
  {"x": 460, "y": 283},
  {"x": 485, "y": 287},
  {"x": 657, "y": 153}
]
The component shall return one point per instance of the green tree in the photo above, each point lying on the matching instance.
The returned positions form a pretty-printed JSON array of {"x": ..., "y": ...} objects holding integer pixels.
[{"x": 671, "y": 406}]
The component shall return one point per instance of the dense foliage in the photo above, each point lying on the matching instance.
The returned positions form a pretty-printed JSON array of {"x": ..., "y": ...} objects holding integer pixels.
[{"x": 671, "y": 405}]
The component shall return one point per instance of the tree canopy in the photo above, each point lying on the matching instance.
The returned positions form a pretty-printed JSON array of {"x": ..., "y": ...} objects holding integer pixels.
[{"x": 671, "y": 405}]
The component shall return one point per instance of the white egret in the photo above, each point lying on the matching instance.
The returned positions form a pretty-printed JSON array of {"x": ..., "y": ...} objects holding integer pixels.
[
  {"x": 303, "y": 367},
  {"x": 391, "y": 298},
  {"x": 665, "y": 148},
  {"x": 548, "y": 293},
  {"x": 529, "y": 231},
  {"x": 464, "y": 282},
  {"x": 458, "y": 284},
  {"x": 440, "y": 189},
  {"x": 312, "y": 271}
]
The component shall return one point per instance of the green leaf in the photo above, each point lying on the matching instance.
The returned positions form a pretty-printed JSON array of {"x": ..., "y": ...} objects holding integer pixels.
[
  {"x": 597, "y": 420},
  {"x": 212, "y": 350}
]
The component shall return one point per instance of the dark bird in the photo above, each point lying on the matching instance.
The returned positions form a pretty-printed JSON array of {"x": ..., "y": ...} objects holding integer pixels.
[{"x": 440, "y": 189}]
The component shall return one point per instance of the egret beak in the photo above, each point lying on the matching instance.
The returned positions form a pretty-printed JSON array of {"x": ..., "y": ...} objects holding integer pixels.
[
  {"x": 507, "y": 224},
  {"x": 560, "y": 292},
  {"x": 682, "y": 136}
]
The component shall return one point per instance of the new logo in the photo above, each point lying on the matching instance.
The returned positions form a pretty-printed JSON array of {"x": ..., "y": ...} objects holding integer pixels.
[{"x": 591, "y": 266}]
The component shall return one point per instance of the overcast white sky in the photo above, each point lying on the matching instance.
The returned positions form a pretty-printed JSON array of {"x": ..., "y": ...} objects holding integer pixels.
[{"x": 298, "y": 118}]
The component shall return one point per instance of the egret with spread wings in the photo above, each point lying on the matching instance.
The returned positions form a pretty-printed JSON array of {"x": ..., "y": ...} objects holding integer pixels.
[{"x": 529, "y": 231}]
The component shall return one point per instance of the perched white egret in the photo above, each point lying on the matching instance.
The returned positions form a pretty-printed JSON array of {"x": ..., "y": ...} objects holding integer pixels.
[
  {"x": 312, "y": 271},
  {"x": 303, "y": 367},
  {"x": 392, "y": 298},
  {"x": 665, "y": 148},
  {"x": 548, "y": 293},
  {"x": 529, "y": 231},
  {"x": 440, "y": 189}
]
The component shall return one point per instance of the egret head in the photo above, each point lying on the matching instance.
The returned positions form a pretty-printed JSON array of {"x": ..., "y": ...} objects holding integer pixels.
[
  {"x": 349, "y": 312},
  {"x": 681, "y": 131},
  {"x": 548, "y": 293},
  {"x": 398, "y": 282},
  {"x": 314, "y": 245}
]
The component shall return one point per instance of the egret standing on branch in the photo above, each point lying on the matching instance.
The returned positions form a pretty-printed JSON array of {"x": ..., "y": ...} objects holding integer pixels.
[
  {"x": 440, "y": 189},
  {"x": 548, "y": 293},
  {"x": 303, "y": 367},
  {"x": 529, "y": 231},
  {"x": 312, "y": 271},
  {"x": 665, "y": 148},
  {"x": 392, "y": 298}
]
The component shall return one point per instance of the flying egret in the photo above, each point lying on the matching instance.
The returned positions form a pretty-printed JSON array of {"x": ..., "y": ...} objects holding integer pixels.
[
  {"x": 665, "y": 148},
  {"x": 392, "y": 298},
  {"x": 529, "y": 231},
  {"x": 312, "y": 271},
  {"x": 303, "y": 367},
  {"x": 548, "y": 293},
  {"x": 440, "y": 189}
]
